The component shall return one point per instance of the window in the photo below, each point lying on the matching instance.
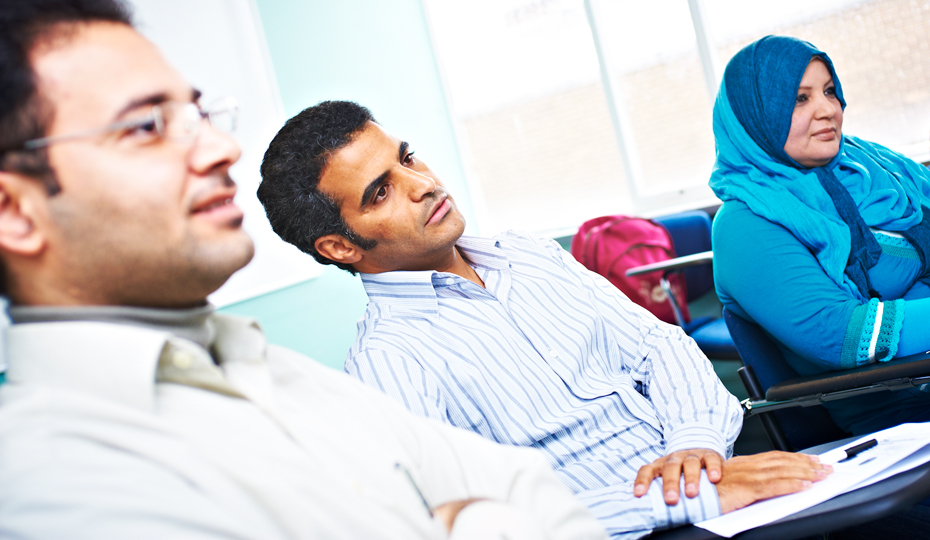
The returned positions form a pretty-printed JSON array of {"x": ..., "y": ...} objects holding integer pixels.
[
  {"x": 570, "y": 109},
  {"x": 879, "y": 50}
]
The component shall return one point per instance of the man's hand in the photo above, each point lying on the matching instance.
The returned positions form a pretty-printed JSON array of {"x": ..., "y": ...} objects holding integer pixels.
[
  {"x": 447, "y": 513},
  {"x": 671, "y": 467},
  {"x": 747, "y": 479},
  {"x": 489, "y": 520}
]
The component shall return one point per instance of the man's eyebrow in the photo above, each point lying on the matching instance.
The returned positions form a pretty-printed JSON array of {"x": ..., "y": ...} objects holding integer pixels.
[
  {"x": 152, "y": 99},
  {"x": 402, "y": 151},
  {"x": 373, "y": 186}
]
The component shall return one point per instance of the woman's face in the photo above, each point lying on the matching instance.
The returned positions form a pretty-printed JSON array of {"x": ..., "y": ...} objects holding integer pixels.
[{"x": 817, "y": 122}]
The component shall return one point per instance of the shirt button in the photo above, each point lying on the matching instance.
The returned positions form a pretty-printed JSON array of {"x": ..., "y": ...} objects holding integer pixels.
[{"x": 182, "y": 359}]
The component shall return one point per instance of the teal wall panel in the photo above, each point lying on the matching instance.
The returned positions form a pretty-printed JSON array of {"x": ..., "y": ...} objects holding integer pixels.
[
  {"x": 379, "y": 54},
  {"x": 316, "y": 317},
  {"x": 376, "y": 53}
]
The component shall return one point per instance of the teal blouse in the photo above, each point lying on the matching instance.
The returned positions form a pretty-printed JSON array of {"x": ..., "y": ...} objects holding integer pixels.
[{"x": 764, "y": 274}]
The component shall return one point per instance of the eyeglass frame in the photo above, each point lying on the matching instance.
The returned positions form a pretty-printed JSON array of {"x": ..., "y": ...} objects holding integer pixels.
[{"x": 222, "y": 105}]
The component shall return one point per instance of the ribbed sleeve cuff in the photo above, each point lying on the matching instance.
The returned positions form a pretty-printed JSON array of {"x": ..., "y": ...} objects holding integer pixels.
[
  {"x": 886, "y": 345},
  {"x": 873, "y": 333},
  {"x": 705, "y": 506},
  {"x": 696, "y": 435}
]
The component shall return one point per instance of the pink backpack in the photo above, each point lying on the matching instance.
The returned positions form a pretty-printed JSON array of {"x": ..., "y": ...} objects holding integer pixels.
[{"x": 610, "y": 245}]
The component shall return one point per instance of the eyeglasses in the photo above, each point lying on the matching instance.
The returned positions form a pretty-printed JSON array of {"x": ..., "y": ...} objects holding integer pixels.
[{"x": 172, "y": 119}]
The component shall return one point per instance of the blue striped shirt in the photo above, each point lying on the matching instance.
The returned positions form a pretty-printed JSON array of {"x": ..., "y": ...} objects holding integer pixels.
[{"x": 552, "y": 356}]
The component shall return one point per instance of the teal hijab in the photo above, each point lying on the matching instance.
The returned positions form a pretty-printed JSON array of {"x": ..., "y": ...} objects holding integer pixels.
[{"x": 829, "y": 209}]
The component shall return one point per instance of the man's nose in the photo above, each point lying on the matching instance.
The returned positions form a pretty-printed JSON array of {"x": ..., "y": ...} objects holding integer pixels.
[
  {"x": 419, "y": 185},
  {"x": 213, "y": 148}
]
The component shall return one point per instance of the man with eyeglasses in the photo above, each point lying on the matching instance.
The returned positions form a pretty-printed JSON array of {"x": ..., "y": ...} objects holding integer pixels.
[{"x": 131, "y": 409}]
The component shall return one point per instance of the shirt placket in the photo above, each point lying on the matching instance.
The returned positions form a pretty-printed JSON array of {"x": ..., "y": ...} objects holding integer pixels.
[{"x": 498, "y": 284}]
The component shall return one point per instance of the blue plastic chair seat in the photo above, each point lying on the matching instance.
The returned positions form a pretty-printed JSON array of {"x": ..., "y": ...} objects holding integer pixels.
[
  {"x": 803, "y": 426},
  {"x": 714, "y": 339}
]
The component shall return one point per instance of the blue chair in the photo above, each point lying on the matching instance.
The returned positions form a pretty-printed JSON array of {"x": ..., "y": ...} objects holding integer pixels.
[
  {"x": 763, "y": 367},
  {"x": 791, "y": 406},
  {"x": 690, "y": 232}
]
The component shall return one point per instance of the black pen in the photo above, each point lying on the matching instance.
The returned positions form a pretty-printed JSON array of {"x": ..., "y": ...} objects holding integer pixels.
[
  {"x": 859, "y": 448},
  {"x": 838, "y": 456}
]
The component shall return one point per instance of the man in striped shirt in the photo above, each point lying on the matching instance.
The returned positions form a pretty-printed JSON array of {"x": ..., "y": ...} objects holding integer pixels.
[{"x": 510, "y": 337}]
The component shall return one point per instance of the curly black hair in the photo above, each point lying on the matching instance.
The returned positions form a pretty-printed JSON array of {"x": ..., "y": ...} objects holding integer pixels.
[{"x": 291, "y": 169}]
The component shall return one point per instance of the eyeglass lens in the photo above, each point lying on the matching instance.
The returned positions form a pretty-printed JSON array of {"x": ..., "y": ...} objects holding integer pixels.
[{"x": 184, "y": 119}]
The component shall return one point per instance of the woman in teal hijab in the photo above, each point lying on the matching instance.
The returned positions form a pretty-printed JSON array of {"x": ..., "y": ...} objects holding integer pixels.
[{"x": 823, "y": 239}]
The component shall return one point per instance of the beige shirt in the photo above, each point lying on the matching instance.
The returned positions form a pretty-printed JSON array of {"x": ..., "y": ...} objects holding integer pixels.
[{"x": 117, "y": 431}]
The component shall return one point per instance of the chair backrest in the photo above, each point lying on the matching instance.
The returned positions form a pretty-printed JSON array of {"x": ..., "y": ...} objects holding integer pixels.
[
  {"x": 690, "y": 231},
  {"x": 803, "y": 426}
]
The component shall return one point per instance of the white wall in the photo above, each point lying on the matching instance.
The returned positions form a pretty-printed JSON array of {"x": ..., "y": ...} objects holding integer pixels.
[{"x": 220, "y": 48}]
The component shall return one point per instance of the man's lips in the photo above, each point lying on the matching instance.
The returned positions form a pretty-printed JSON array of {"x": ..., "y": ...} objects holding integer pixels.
[
  {"x": 440, "y": 212},
  {"x": 214, "y": 204},
  {"x": 219, "y": 207}
]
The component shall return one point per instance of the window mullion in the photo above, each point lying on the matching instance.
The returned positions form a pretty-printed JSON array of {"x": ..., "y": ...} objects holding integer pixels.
[
  {"x": 705, "y": 47},
  {"x": 622, "y": 129}
]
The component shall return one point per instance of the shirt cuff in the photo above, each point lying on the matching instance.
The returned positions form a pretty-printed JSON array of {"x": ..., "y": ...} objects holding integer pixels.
[
  {"x": 696, "y": 435},
  {"x": 705, "y": 506}
]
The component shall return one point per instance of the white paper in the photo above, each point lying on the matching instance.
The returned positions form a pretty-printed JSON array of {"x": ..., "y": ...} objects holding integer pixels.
[{"x": 896, "y": 452}]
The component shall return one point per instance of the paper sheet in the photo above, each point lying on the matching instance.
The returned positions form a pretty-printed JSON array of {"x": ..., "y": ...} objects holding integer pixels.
[{"x": 899, "y": 449}]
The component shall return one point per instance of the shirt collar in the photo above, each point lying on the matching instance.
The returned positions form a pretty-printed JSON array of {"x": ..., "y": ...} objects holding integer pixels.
[
  {"x": 485, "y": 252},
  {"x": 112, "y": 361},
  {"x": 415, "y": 291},
  {"x": 195, "y": 324},
  {"x": 122, "y": 362}
]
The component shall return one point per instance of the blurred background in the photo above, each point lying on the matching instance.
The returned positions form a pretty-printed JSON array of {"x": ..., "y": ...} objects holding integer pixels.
[{"x": 537, "y": 114}]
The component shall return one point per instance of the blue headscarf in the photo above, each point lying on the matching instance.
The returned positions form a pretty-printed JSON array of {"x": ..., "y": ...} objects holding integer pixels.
[{"x": 829, "y": 209}]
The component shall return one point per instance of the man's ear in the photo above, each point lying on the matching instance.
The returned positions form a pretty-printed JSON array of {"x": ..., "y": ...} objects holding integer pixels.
[
  {"x": 336, "y": 247},
  {"x": 19, "y": 208}
]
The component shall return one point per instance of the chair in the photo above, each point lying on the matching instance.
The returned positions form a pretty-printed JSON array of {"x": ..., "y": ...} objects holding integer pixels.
[
  {"x": 790, "y": 405},
  {"x": 690, "y": 232}
]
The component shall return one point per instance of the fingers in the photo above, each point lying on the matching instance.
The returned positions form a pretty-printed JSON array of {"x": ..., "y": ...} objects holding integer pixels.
[
  {"x": 772, "y": 461},
  {"x": 748, "y": 479},
  {"x": 785, "y": 486},
  {"x": 776, "y": 465},
  {"x": 734, "y": 497},
  {"x": 692, "y": 472},
  {"x": 671, "y": 472},
  {"x": 671, "y": 468},
  {"x": 692, "y": 461},
  {"x": 645, "y": 476},
  {"x": 713, "y": 463},
  {"x": 777, "y": 456}
]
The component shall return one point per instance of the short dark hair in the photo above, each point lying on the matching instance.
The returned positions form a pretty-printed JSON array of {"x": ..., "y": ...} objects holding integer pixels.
[
  {"x": 294, "y": 162},
  {"x": 24, "y": 113}
]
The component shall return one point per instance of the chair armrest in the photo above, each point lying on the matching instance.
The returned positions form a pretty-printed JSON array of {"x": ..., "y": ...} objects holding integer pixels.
[
  {"x": 900, "y": 370},
  {"x": 673, "y": 264}
]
